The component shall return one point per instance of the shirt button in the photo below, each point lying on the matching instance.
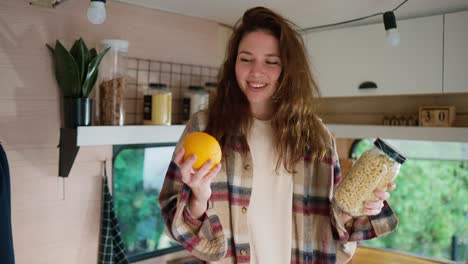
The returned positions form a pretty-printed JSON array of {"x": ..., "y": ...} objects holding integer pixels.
[
  {"x": 244, "y": 210},
  {"x": 247, "y": 166},
  {"x": 243, "y": 252}
]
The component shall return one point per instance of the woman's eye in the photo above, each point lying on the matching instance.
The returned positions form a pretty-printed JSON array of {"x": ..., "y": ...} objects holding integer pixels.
[
  {"x": 245, "y": 60},
  {"x": 272, "y": 62}
]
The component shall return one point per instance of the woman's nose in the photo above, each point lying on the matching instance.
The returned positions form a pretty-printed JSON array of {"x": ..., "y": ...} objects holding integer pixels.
[{"x": 257, "y": 67}]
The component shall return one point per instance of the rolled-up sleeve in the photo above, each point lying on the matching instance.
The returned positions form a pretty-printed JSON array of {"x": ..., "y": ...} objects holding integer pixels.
[{"x": 204, "y": 238}]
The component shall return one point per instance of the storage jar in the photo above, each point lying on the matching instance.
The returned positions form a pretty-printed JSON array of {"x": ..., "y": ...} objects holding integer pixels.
[
  {"x": 112, "y": 83},
  {"x": 157, "y": 105},
  {"x": 194, "y": 100},
  {"x": 373, "y": 170}
]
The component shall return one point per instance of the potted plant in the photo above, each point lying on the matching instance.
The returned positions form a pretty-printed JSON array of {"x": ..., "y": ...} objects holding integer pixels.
[{"x": 76, "y": 72}]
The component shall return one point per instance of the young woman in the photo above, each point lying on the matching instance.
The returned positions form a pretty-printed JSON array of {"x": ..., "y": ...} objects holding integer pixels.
[{"x": 270, "y": 199}]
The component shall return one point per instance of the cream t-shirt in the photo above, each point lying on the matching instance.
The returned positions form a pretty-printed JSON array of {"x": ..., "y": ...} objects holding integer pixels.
[{"x": 269, "y": 214}]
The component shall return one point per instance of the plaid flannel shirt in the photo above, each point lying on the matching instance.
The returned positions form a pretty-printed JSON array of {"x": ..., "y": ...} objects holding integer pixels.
[{"x": 221, "y": 236}]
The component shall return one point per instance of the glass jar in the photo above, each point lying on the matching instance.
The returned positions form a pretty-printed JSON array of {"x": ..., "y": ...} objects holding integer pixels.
[
  {"x": 157, "y": 105},
  {"x": 199, "y": 99},
  {"x": 194, "y": 100},
  {"x": 373, "y": 170},
  {"x": 186, "y": 105},
  {"x": 211, "y": 88},
  {"x": 110, "y": 108}
]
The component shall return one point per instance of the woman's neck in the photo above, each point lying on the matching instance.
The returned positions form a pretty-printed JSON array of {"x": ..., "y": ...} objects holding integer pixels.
[{"x": 262, "y": 112}]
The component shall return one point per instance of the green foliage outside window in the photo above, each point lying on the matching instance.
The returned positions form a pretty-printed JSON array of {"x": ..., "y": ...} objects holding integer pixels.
[
  {"x": 137, "y": 207},
  {"x": 431, "y": 204}
]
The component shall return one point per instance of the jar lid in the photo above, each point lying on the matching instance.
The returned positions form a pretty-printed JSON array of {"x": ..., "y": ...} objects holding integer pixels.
[
  {"x": 117, "y": 44},
  {"x": 195, "y": 87},
  {"x": 157, "y": 85},
  {"x": 211, "y": 84},
  {"x": 390, "y": 151}
]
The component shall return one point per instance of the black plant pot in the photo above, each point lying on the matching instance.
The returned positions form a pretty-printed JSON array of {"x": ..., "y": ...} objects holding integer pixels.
[{"x": 77, "y": 112}]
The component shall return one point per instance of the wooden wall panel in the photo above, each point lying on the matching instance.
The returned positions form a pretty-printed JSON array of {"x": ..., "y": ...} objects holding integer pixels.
[{"x": 56, "y": 220}]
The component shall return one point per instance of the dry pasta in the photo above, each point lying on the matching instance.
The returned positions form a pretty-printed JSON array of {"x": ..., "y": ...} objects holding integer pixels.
[{"x": 373, "y": 170}]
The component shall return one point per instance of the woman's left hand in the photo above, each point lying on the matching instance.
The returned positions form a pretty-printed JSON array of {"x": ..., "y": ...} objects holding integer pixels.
[{"x": 375, "y": 207}]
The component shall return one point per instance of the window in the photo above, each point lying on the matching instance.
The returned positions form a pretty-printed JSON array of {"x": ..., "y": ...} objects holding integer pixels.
[
  {"x": 138, "y": 175},
  {"x": 430, "y": 199}
]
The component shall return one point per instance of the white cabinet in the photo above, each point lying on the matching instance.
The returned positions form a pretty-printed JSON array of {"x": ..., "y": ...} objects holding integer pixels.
[
  {"x": 342, "y": 59},
  {"x": 456, "y": 52}
]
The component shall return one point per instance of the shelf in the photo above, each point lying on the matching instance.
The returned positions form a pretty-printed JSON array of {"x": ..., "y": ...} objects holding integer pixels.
[
  {"x": 454, "y": 134},
  {"x": 121, "y": 135}
]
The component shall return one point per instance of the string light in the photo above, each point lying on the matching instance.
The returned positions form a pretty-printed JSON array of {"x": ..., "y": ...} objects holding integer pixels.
[{"x": 392, "y": 35}]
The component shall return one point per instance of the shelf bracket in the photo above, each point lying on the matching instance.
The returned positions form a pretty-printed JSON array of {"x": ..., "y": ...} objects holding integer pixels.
[{"x": 68, "y": 150}]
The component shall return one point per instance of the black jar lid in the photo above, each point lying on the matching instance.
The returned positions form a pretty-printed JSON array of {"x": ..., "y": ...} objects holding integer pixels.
[
  {"x": 391, "y": 152},
  {"x": 157, "y": 85},
  {"x": 195, "y": 87},
  {"x": 211, "y": 84}
]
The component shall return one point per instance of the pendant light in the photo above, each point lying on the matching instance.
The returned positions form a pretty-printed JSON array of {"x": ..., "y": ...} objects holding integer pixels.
[
  {"x": 97, "y": 11},
  {"x": 392, "y": 35}
]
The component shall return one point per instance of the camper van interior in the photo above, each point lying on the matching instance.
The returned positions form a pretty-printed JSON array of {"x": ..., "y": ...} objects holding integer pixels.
[{"x": 95, "y": 96}]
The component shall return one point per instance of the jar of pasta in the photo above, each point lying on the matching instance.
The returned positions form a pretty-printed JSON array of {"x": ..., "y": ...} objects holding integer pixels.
[
  {"x": 157, "y": 105},
  {"x": 373, "y": 170}
]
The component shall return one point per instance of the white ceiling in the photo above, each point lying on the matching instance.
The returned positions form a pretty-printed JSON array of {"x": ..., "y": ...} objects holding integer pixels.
[{"x": 305, "y": 13}]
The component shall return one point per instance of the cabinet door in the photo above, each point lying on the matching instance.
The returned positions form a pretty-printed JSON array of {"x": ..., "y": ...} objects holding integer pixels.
[
  {"x": 456, "y": 53},
  {"x": 342, "y": 59}
]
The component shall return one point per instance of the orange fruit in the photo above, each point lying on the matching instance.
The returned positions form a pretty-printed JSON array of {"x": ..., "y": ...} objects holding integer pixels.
[{"x": 204, "y": 146}]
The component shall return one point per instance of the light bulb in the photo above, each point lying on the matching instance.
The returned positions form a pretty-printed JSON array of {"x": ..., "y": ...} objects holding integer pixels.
[
  {"x": 96, "y": 12},
  {"x": 392, "y": 37}
]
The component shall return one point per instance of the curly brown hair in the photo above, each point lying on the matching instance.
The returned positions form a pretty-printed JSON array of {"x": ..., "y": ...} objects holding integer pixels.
[{"x": 296, "y": 128}]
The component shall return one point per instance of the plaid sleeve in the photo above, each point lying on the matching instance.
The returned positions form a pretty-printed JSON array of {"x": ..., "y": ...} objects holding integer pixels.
[
  {"x": 363, "y": 227},
  {"x": 204, "y": 238}
]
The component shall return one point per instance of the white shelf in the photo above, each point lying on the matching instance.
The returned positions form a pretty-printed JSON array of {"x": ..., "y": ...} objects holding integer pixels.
[
  {"x": 455, "y": 134},
  {"x": 121, "y": 135}
]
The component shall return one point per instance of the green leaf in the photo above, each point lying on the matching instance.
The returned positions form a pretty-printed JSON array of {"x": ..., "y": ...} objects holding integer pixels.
[
  {"x": 93, "y": 53},
  {"x": 92, "y": 73},
  {"x": 88, "y": 86},
  {"x": 66, "y": 71},
  {"x": 80, "y": 52}
]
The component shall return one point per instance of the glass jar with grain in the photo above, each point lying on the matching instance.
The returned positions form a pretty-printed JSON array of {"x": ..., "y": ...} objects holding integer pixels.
[
  {"x": 373, "y": 170},
  {"x": 110, "y": 108}
]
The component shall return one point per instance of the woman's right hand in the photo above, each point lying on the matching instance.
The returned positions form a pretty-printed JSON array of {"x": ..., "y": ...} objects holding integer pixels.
[{"x": 199, "y": 181}]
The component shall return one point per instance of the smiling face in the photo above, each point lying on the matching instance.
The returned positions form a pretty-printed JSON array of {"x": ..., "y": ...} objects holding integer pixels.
[{"x": 258, "y": 68}]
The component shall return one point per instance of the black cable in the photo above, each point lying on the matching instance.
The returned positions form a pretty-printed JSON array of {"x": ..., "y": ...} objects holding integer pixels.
[
  {"x": 399, "y": 5},
  {"x": 341, "y": 23},
  {"x": 351, "y": 20}
]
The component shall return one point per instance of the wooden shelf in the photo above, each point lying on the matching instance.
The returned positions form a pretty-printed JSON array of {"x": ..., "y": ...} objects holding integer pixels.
[
  {"x": 120, "y": 135},
  {"x": 453, "y": 134}
]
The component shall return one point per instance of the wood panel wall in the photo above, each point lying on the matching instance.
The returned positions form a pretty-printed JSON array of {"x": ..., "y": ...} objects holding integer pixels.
[{"x": 56, "y": 221}]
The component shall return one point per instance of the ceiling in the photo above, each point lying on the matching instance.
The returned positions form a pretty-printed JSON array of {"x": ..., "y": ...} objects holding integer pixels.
[{"x": 305, "y": 13}]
